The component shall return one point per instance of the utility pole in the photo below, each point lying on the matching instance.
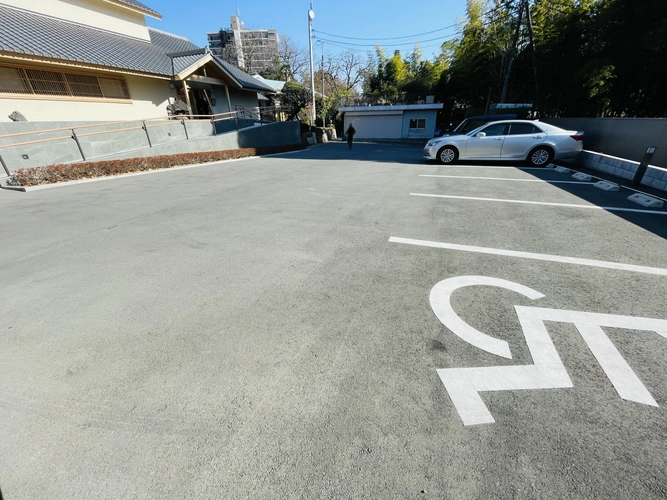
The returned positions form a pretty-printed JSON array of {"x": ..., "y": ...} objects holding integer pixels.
[
  {"x": 508, "y": 72},
  {"x": 311, "y": 16},
  {"x": 324, "y": 109},
  {"x": 538, "y": 96}
]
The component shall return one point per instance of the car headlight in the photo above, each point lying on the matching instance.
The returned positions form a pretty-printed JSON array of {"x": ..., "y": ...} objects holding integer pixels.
[{"x": 432, "y": 143}]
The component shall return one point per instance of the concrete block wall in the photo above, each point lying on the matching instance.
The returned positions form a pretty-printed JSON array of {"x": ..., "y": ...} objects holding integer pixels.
[{"x": 655, "y": 177}]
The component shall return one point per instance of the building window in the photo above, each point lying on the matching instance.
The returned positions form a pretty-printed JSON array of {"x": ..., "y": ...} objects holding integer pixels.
[
  {"x": 32, "y": 81},
  {"x": 418, "y": 123}
]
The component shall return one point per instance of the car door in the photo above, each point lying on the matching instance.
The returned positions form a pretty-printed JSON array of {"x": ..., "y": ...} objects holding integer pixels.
[
  {"x": 489, "y": 146},
  {"x": 520, "y": 139}
]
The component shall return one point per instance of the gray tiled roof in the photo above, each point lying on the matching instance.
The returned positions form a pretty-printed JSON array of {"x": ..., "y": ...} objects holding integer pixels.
[
  {"x": 169, "y": 43},
  {"x": 37, "y": 35},
  {"x": 184, "y": 62},
  {"x": 139, "y": 5},
  {"x": 244, "y": 78},
  {"x": 33, "y": 34}
]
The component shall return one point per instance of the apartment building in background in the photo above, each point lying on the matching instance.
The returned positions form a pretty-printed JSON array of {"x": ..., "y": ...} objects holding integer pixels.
[{"x": 250, "y": 50}]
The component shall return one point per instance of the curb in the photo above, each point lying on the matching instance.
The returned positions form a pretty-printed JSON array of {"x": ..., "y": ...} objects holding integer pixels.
[{"x": 602, "y": 180}]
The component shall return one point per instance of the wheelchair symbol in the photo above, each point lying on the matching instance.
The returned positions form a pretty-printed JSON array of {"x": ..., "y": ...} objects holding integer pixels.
[{"x": 548, "y": 372}]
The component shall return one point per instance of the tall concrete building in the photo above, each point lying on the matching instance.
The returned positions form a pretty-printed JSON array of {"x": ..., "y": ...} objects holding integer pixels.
[{"x": 251, "y": 50}]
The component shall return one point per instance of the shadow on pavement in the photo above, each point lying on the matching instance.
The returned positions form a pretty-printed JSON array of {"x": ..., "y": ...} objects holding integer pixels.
[
  {"x": 650, "y": 219},
  {"x": 383, "y": 152},
  {"x": 653, "y": 220}
]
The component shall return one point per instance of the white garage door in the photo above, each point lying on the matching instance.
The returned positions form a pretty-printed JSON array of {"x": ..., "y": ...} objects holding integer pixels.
[{"x": 377, "y": 126}]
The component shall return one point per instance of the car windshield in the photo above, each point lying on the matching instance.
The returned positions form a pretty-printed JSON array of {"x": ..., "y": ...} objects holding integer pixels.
[
  {"x": 474, "y": 131},
  {"x": 466, "y": 127}
]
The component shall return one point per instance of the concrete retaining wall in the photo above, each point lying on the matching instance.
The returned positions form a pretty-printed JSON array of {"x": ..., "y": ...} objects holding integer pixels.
[
  {"x": 165, "y": 138},
  {"x": 274, "y": 134},
  {"x": 620, "y": 137}
]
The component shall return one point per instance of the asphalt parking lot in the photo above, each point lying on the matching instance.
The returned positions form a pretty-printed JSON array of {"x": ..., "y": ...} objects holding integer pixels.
[{"x": 333, "y": 323}]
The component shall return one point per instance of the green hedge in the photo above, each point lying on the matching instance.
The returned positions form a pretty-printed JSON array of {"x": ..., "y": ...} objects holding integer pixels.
[{"x": 85, "y": 170}]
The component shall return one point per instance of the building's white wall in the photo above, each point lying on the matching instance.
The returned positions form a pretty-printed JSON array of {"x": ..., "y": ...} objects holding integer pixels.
[
  {"x": 243, "y": 98},
  {"x": 149, "y": 100},
  {"x": 375, "y": 125},
  {"x": 95, "y": 13},
  {"x": 217, "y": 93}
]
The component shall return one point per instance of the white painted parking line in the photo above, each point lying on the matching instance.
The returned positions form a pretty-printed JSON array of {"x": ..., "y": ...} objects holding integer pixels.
[
  {"x": 545, "y": 203},
  {"x": 508, "y": 167},
  {"x": 503, "y": 179},
  {"x": 534, "y": 256}
]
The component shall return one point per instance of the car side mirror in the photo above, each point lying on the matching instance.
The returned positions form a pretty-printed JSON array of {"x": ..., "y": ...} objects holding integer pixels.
[{"x": 480, "y": 135}]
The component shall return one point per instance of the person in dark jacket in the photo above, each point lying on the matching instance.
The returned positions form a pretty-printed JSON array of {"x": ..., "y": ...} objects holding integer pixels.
[{"x": 350, "y": 135}]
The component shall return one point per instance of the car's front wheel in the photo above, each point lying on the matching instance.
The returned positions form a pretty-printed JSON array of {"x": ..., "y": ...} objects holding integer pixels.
[
  {"x": 540, "y": 156},
  {"x": 447, "y": 155}
]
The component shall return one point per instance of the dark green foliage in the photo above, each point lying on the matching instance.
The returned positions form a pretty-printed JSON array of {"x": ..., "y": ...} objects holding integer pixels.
[
  {"x": 592, "y": 58},
  {"x": 295, "y": 96}
]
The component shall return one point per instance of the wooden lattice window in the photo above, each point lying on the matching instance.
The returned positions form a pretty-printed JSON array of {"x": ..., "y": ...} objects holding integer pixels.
[
  {"x": 84, "y": 85},
  {"x": 13, "y": 80},
  {"x": 47, "y": 82},
  {"x": 34, "y": 81}
]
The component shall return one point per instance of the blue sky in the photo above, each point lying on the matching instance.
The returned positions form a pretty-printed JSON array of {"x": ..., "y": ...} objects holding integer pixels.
[{"x": 371, "y": 19}]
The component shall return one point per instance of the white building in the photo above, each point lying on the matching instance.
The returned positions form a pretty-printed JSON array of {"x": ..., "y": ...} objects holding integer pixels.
[
  {"x": 96, "y": 60},
  {"x": 402, "y": 121}
]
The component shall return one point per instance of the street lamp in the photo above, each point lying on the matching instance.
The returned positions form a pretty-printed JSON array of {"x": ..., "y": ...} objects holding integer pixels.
[{"x": 311, "y": 16}]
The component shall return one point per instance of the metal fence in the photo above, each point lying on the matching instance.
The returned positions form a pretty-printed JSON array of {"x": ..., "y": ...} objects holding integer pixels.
[{"x": 386, "y": 100}]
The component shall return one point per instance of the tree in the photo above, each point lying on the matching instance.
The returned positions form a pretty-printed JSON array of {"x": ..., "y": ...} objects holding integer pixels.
[
  {"x": 390, "y": 75},
  {"x": 296, "y": 97},
  {"x": 584, "y": 58},
  {"x": 293, "y": 59},
  {"x": 350, "y": 69}
]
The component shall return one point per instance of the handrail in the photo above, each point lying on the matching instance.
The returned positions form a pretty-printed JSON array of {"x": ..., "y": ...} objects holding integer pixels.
[
  {"x": 105, "y": 124},
  {"x": 109, "y": 131},
  {"x": 38, "y": 141},
  {"x": 222, "y": 119},
  {"x": 170, "y": 122}
]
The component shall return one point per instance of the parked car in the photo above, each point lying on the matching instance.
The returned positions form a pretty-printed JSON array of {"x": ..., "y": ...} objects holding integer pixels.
[
  {"x": 472, "y": 122},
  {"x": 512, "y": 140}
]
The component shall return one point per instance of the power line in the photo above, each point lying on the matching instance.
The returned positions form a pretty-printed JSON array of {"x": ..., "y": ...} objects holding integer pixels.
[
  {"x": 341, "y": 44},
  {"x": 390, "y": 38},
  {"x": 365, "y": 51},
  {"x": 444, "y": 38},
  {"x": 447, "y": 37}
]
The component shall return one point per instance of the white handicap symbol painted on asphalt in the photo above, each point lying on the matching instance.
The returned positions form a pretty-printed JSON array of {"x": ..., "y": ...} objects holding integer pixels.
[{"x": 548, "y": 372}]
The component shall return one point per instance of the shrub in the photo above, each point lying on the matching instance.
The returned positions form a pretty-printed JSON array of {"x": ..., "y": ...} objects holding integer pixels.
[{"x": 86, "y": 170}]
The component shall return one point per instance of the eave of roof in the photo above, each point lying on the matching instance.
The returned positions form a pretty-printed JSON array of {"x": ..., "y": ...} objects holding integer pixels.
[
  {"x": 247, "y": 81},
  {"x": 137, "y": 7}
]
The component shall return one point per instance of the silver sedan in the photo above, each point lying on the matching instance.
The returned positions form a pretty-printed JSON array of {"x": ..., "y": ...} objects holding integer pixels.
[{"x": 513, "y": 140}]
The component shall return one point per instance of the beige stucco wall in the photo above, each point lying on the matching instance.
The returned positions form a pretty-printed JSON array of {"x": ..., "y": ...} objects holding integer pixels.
[
  {"x": 96, "y": 13},
  {"x": 149, "y": 100}
]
